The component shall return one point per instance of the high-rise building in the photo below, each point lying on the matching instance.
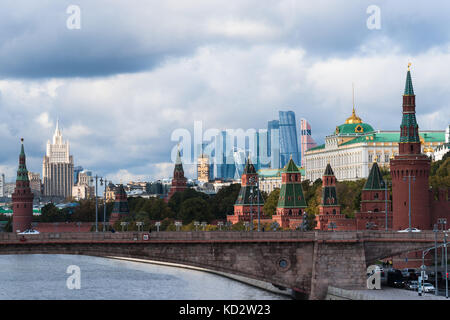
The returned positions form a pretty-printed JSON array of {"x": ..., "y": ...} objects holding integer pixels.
[
  {"x": 273, "y": 143},
  {"x": 288, "y": 138},
  {"x": 203, "y": 168},
  {"x": 35, "y": 183},
  {"x": 2, "y": 185},
  {"x": 22, "y": 198},
  {"x": 410, "y": 170},
  {"x": 76, "y": 172},
  {"x": 57, "y": 167},
  {"x": 306, "y": 140}
]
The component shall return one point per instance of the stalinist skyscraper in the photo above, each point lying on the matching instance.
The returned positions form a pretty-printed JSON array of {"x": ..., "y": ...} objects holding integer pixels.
[{"x": 57, "y": 167}]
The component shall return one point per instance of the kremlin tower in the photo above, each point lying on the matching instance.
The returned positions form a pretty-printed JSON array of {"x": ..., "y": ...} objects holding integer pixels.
[
  {"x": 329, "y": 206},
  {"x": 178, "y": 180},
  {"x": 291, "y": 202},
  {"x": 247, "y": 203},
  {"x": 120, "y": 208},
  {"x": 22, "y": 198},
  {"x": 410, "y": 170}
]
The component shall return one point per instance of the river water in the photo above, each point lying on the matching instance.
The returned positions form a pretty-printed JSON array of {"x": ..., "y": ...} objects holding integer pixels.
[{"x": 46, "y": 277}]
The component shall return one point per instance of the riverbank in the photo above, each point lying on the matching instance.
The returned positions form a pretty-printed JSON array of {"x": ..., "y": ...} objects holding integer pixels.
[{"x": 251, "y": 282}]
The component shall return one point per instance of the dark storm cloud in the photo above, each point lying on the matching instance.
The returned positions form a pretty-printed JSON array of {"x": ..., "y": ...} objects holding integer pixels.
[{"x": 131, "y": 36}]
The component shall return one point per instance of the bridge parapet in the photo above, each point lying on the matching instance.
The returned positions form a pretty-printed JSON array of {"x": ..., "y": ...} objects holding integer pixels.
[{"x": 233, "y": 236}]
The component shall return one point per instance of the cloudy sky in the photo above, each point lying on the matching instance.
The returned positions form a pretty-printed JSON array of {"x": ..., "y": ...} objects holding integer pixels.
[{"x": 137, "y": 70}]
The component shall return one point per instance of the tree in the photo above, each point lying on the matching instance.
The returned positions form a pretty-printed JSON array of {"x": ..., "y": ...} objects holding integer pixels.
[
  {"x": 270, "y": 206},
  {"x": 222, "y": 204},
  {"x": 196, "y": 209},
  {"x": 50, "y": 213}
]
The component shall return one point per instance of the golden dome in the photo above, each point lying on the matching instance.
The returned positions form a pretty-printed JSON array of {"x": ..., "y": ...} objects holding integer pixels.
[{"x": 353, "y": 118}]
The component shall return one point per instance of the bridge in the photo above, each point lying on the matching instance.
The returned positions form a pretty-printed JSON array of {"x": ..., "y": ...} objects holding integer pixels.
[{"x": 307, "y": 262}]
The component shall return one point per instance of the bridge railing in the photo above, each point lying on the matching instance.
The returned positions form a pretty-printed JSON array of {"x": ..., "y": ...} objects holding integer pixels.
[{"x": 225, "y": 236}]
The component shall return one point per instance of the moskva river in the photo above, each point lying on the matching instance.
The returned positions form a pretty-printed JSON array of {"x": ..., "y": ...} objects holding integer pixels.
[{"x": 83, "y": 277}]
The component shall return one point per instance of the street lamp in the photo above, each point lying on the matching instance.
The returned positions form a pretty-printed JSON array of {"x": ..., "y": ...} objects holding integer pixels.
[
  {"x": 446, "y": 265},
  {"x": 435, "y": 230},
  {"x": 104, "y": 204},
  {"x": 409, "y": 195}
]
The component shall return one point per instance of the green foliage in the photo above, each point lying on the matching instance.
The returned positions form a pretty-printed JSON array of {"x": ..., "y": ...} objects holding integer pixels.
[
  {"x": 440, "y": 174},
  {"x": 270, "y": 205},
  {"x": 222, "y": 204},
  {"x": 195, "y": 209},
  {"x": 179, "y": 197},
  {"x": 349, "y": 196}
]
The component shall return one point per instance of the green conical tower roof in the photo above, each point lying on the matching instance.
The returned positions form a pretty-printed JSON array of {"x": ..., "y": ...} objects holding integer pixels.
[
  {"x": 22, "y": 172},
  {"x": 178, "y": 163},
  {"x": 375, "y": 180},
  {"x": 291, "y": 167},
  {"x": 249, "y": 167},
  {"x": 409, "y": 91},
  {"x": 328, "y": 171}
]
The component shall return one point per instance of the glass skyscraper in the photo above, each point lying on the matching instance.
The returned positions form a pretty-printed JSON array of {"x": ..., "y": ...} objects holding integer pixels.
[{"x": 288, "y": 138}]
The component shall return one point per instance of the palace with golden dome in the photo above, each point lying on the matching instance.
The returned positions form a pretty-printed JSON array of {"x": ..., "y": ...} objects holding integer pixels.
[{"x": 354, "y": 146}]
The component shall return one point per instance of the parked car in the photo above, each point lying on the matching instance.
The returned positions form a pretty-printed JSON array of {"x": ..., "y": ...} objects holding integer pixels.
[
  {"x": 412, "y": 230},
  {"x": 428, "y": 287},
  {"x": 412, "y": 285},
  {"x": 29, "y": 231},
  {"x": 395, "y": 279}
]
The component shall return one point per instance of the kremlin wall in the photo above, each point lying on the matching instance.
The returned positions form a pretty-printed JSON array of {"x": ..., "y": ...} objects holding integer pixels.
[{"x": 412, "y": 199}]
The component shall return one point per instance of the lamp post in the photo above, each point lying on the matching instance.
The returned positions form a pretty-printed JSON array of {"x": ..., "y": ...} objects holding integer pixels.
[
  {"x": 435, "y": 230},
  {"x": 259, "y": 207},
  {"x": 251, "y": 208},
  {"x": 409, "y": 195},
  {"x": 104, "y": 204},
  {"x": 446, "y": 264}
]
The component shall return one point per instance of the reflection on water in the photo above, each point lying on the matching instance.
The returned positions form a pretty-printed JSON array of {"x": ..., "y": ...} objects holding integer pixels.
[{"x": 44, "y": 277}]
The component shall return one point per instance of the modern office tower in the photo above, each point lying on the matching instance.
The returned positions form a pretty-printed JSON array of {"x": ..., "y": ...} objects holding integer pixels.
[
  {"x": 76, "y": 171},
  {"x": 273, "y": 143},
  {"x": 306, "y": 140},
  {"x": 2, "y": 185},
  {"x": 35, "y": 183},
  {"x": 288, "y": 138},
  {"x": 57, "y": 167},
  {"x": 22, "y": 198},
  {"x": 203, "y": 168},
  {"x": 259, "y": 151},
  {"x": 224, "y": 158}
]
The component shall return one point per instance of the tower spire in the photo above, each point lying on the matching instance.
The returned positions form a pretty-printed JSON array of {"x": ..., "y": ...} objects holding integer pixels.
[{"x": 409, "y": 90}]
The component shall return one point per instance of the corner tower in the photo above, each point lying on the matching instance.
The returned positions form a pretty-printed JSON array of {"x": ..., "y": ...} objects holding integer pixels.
[
  {"x": 178, "y": 180},
  {"x": 410, "y": 170},
  {"x": 22, "y": 198}
]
